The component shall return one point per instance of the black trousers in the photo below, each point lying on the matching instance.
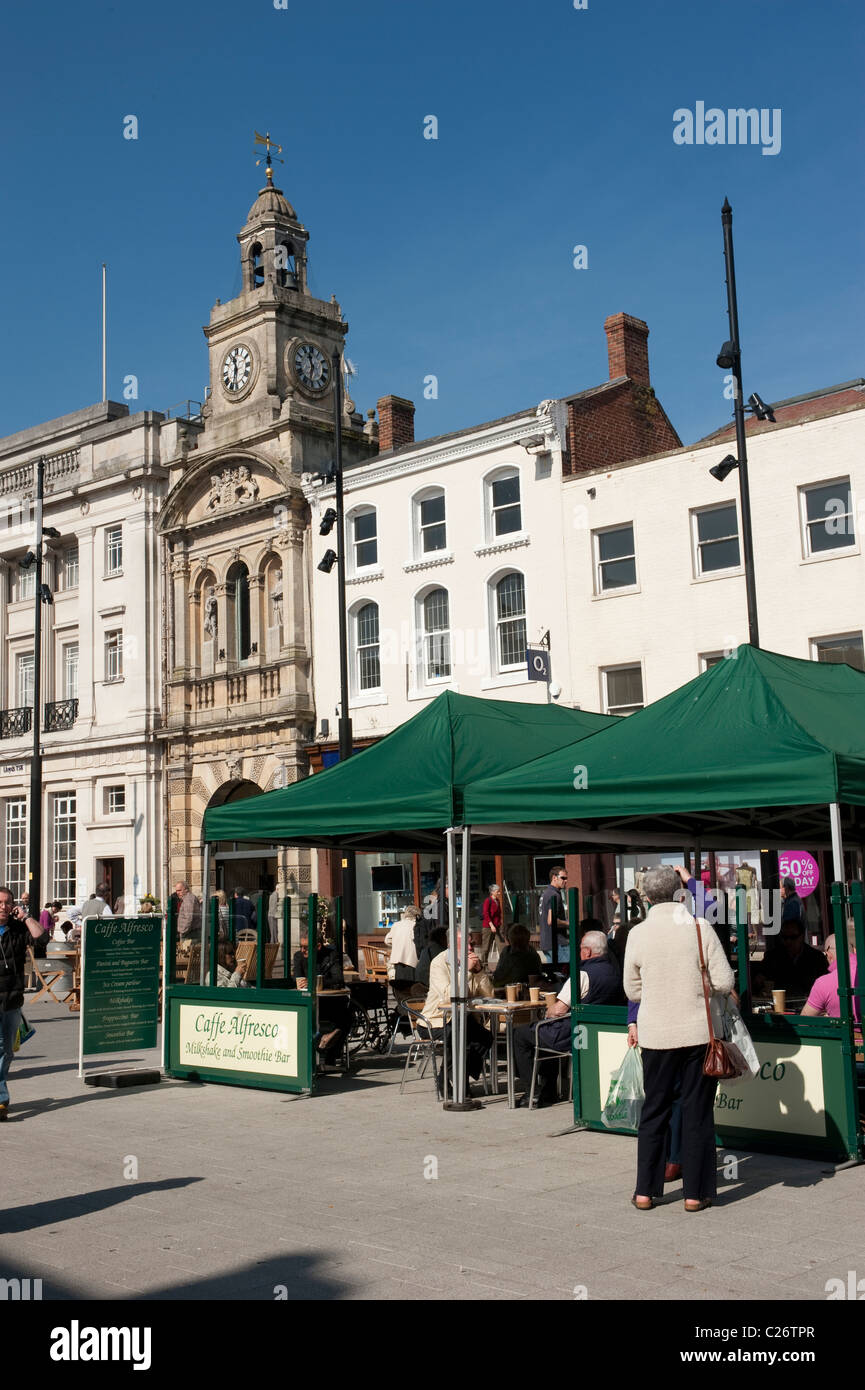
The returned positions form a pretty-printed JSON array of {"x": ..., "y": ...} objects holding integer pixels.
[
  {"x": 662, "y": 1069},
  {"x": 556, "y": 1033}
]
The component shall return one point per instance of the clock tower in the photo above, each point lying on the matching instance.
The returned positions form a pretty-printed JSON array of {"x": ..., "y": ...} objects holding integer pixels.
[
  {"x": 271, "y": 347},
  {"x": 237, "y": 550}
]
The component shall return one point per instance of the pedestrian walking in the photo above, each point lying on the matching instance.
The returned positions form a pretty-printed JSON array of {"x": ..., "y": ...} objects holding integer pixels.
[
  {"x": 17, "y": 931},
  {"x": 663, "y": 972},
  {"x": 491, "y": 923}
]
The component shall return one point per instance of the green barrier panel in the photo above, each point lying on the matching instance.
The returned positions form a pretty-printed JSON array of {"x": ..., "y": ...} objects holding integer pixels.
[
  {"x": 261, "y": 1037},
  {"x": 241, "y": 1037}
]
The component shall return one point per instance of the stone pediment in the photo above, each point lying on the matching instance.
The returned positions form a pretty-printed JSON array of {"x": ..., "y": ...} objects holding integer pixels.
[{"x": 221, "y": 489}]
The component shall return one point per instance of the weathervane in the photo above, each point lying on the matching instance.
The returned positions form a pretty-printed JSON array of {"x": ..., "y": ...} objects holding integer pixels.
[{"x": 266, "y": 141}]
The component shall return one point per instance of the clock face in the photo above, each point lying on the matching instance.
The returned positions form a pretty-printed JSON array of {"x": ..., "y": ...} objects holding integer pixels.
[
  {"x": 311, "y": 367},
  {"x": 237, "y": 369}
]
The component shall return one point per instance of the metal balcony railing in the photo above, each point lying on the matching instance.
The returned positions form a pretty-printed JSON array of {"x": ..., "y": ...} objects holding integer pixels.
[
  {"x": 15, "y": 722},
  {"x": 60, "y": 714}
]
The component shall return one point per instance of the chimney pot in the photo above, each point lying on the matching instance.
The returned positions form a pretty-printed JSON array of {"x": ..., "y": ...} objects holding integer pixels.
[
  {"x": 628, "y": 348},
  {"x": 396, "y": 423}
]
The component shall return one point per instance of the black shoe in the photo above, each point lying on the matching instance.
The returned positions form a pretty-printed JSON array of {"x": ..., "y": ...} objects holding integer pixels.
[{"x": 522, "y": 1102}]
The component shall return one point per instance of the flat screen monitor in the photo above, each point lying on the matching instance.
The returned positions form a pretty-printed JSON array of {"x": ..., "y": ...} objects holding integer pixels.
[{"x": 388, "y": 878}]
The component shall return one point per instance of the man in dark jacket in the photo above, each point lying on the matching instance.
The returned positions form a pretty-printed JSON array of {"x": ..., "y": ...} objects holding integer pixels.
[{"x": 16, "y": 933}]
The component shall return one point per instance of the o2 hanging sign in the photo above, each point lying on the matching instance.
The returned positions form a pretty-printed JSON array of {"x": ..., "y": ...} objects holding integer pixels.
[{"x": 801, "y": 867}]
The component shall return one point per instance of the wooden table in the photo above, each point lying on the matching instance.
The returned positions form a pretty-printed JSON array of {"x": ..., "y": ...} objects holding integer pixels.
[{"x": 496, "y": 1009}]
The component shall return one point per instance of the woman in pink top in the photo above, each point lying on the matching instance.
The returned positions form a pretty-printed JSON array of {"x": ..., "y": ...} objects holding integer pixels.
[{"x": 824, "y": 1001}]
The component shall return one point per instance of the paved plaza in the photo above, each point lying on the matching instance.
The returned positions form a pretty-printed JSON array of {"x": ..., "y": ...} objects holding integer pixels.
[{"x": 184, "y": 1191}]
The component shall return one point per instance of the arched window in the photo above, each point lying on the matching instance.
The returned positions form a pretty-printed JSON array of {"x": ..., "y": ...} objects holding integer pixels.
[
  {"x": 430, "y": 526},
  {"x": 435, "y": 636},
  {"x": 363, "y": 540},
  {"x": 257, "y": 277},
  {"x": 286, "y": 270},
  {"x": 509, "y": 604},
  {"x": 237, "y": 643},
  {"x": 366, "y": 648},
  {"x": 504, "y": 513}
]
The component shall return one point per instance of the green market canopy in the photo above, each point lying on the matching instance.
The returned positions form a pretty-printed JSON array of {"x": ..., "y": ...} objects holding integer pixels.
[
  {"x": 757, "y": 730},
  {"x": 404, "y": 791}
]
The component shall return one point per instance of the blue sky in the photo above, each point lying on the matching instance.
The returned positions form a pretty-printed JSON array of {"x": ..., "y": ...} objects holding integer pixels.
[{"x": 450, "y": 257}]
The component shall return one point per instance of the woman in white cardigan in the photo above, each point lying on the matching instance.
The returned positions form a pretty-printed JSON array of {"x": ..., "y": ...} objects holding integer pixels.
[
  {"x": 403, "y": 952},
  {"x": 662, "y": 971}
]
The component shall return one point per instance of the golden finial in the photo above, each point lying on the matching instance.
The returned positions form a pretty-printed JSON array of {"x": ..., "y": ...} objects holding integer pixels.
[{"x": 266, "y": 141}]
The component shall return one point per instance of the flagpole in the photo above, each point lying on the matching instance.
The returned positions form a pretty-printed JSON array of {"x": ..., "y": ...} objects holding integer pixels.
[{"x": 104, "y": 332}]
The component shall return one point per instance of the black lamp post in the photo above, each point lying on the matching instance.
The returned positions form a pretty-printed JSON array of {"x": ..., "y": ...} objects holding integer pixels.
[
  {"x": 349, "y": 882},
  {"x": 730, "y": 359}
]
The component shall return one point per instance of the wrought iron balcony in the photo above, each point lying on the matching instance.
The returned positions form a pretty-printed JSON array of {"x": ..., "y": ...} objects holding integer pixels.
[
  {"x": 61, "y": 714},
  {"x": 15, "y": 722}
]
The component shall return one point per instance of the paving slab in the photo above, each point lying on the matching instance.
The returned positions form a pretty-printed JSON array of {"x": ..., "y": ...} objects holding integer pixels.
[{"x": 184, "y": 1191}]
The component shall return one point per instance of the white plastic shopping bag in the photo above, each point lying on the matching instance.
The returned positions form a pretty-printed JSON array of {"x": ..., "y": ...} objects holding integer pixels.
[{"x": 626, "y": 1094}]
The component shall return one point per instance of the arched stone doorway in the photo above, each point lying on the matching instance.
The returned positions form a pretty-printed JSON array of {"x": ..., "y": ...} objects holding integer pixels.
[{"x": 236, "y": 864}]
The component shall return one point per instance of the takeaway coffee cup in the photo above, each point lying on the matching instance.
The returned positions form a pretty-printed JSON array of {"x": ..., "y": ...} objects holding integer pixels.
[
  {"x": 319, "y": 983},
  {"x": 513, "y": 993},
  {"x": 779, "y": 1000},
  {"x": 550, "y": 999},
  {"x": 534, "y": 994}
]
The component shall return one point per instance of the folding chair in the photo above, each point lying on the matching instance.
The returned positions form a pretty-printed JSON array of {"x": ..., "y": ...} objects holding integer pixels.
[
  {"x": 545, "y": 1053},
  {"x": 422, "y": 1043},
  {"x": 46, "y": 979}
]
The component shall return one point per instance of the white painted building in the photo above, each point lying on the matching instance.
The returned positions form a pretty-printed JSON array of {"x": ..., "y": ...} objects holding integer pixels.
[
  {"x": 454, "y": 563},
  {"x": 462, "y": 551},
  {"x": 100, "y": 665},
  {"x": 655, "y": 583}
]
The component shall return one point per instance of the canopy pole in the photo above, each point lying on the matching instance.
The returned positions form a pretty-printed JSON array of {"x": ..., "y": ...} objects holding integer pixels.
[
  {"x": 837, "y": 842},
  {"x": 461, "y": 1057},
  {"x": 620, "y": 884},
  {"x": 205, "y": 915},
  {"x": 452, "y": 947}
]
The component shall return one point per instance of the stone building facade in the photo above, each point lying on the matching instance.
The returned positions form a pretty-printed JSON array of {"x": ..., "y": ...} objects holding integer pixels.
[{"x": 100, "y": 700}]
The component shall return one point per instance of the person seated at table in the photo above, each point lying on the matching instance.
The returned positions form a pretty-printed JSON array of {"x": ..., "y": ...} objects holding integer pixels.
[
  {"x": 300, "y": 962},
  {"x": 824, "y": 1000},
  {"x": 228, "y": 973},
  {"x": 792, "y": 964},
  {"x": 334, "y": 1009},
  {"x": 518, "y": 960},
  {"x": 478, "y": 1037},
  {"x": 600, "y": 983},
  {"x": 73, "y": 935},
  {"x": 436, "y": 943}
]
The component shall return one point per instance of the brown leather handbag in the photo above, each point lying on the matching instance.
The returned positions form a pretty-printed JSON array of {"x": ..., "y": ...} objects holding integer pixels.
[{"x": 718, "y": 1062}]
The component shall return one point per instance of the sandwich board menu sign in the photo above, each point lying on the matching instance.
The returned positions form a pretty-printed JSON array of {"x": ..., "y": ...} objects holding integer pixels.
[{"x": 119, "y": 985}]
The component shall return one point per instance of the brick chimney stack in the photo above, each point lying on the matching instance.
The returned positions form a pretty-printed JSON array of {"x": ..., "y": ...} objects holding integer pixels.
[
  {"x": 628, "y": 348},
  {"x": 395, "y": 423}
]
